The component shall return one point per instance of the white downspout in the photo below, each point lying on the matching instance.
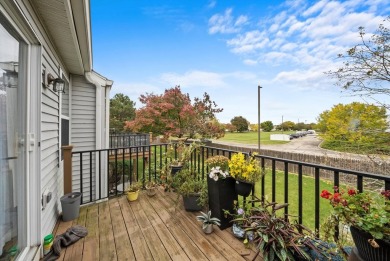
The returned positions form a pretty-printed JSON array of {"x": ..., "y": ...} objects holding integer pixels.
[{"x": 100, "y": 83}]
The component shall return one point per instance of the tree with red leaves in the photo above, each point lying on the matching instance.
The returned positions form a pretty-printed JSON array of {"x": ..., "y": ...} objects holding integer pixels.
[{"x": 174, "y": 115}]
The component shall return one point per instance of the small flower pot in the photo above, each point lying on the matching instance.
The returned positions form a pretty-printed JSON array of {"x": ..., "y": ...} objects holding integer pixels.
[
  {"x": 208, "y": 229},
  {"x": 243, "y": 188},
  {"x": 151, "y": 191},
  {"x": 132, "y": 196},
  {"x": 175, "y": 169}
]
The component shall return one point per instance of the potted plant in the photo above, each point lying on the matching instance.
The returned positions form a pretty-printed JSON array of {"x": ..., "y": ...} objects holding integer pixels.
[
  {"x": 179, "y": 154},
  {"x": 151, "y": 188},
  {"x": 208, "y": 222},
  {"x": 368, "y": 216},
  {"x": 177, "y": 157},
  {"x": 278, "y": 239},
  {"x": 221, "y": 189},
  {"x": 191, "y": 188},
  {"x": 133, "y": 190},
  {"x": 246, "y": 171}
]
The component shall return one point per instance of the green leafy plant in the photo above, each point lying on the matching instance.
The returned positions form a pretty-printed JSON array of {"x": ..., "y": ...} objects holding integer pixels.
[
  {"x": 206, "y": 219},
  {"x": 244, "y": 169},
  {"x": 187, "y": 183},
  {"x": 134, "y": 187},
  {"x": 367, "y": 211},
  {"x": 275, "y": 237},
  {"x": 179, "y": 153}
]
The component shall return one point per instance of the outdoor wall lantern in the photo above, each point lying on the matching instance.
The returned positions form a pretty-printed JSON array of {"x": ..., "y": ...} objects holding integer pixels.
[
  {"x": 10, "y": 79},
  {"x": 58, "y": 83}
]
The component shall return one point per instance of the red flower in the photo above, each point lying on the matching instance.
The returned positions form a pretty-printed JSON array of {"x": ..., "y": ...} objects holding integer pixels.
[
  {"x": 351, "y": 192},
  {"x": 386, "y": 194},
  {"x": 325, "y": 194},
  {"x": 337, "y": 197}
]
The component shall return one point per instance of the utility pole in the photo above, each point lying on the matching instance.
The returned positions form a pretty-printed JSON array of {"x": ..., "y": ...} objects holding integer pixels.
[{"x": 258, "y": 118}]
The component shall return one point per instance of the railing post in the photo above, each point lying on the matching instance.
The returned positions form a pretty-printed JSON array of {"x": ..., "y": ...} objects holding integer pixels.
[{"x": 67, "y": 152}]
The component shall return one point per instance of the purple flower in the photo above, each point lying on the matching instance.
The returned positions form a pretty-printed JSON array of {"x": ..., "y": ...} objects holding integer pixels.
[{"x": 240, "y": 211}]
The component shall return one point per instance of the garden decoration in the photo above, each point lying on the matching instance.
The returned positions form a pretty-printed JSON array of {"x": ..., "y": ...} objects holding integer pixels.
[{"x": 151, "y": 188}]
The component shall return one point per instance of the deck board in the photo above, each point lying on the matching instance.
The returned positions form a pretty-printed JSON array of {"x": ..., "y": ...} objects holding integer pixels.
[{"x": 151, "y": 228}]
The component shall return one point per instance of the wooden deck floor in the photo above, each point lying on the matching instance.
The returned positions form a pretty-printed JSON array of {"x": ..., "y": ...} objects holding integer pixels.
[{"x": 150, "y": 228}]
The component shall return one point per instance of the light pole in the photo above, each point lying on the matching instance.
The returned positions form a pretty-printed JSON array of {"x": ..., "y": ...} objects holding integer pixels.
[{"x": 258, "y": 118}]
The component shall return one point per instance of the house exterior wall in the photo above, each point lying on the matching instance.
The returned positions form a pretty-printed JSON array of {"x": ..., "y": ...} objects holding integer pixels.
[
  {"x": 84, "y": 105},
  {"x": 83, "y": 131},
  {"x": 44, "y": 176}
]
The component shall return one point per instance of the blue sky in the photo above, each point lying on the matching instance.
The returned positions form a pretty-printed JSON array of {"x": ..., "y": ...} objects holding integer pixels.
[{"x": 227, "y": 48}]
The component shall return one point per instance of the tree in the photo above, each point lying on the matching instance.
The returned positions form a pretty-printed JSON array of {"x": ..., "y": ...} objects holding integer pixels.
[
  {"x": 355, "y": 122},
  {"x": 173, "y": 114},
  {"x": 253, "y": 126},
  {"x": 287, "y": 125},
  {"x": 267, "y": 126},
  {"x": 230, "y": 127},
  {"x": 240, "y": 123},
  {"x": 366, "y": 66},
  {"x": 121, "y": 110},
  {"x": 207, "y": 125}
]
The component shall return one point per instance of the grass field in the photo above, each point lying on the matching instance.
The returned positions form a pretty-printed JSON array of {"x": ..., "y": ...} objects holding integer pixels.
[
  {"x": 307, "y": 200},
  {"x": 251, "y": 137}
]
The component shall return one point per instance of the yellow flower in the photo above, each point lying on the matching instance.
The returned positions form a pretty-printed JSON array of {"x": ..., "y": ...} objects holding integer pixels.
[{"x": 244, "y": 169}]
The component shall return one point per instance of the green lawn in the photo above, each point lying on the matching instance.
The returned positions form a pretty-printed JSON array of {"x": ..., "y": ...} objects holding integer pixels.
[
  {"x": 308, "y": 196},
  {"x": 251, "y": 137}
]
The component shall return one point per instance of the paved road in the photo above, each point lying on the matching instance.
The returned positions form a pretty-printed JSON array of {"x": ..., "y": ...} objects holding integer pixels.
[{"x": 306, "y": 145}]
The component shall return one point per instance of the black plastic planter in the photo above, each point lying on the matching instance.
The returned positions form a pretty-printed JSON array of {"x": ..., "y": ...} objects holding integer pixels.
[
  {"x": 243, "y": 188},
  {"x": 366, "y": 251},
  {"x": 222, "y": 195},
  {"x": 191, "y": 202}
]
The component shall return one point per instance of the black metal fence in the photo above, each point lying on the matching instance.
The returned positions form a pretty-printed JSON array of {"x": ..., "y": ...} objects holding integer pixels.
[
  {"x": 122, "y": 140},
  {"x": 122, "y": 166}
]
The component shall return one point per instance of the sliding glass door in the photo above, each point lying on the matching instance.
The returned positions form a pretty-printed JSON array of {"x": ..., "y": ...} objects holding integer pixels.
[{"x": 13, "y": 102}]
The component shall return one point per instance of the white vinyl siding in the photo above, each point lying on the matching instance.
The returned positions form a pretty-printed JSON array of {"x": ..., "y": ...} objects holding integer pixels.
[
  {"x": 83, "y": 133},
  {"x": 50, "y": 122}
]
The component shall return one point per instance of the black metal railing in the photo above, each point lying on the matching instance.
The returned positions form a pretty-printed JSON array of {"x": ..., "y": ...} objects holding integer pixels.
[{"x": 121, "y": 166}]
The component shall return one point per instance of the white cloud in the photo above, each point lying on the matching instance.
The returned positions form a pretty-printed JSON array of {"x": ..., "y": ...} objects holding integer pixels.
[
  {"x": 242, "y": 19},
  {"x": 248, "y": 42},
  {"x": 135, "y": 89},
  {"x": 304, "y": 34},
  {"x": 250, "y": 62},
  {"x": 194, "y": 79},
  {"x": 225, "y": 23},
  {"x": 212, "y": 4},
  {"x": 315, "y": 8},
  {"x": 203, "y": 79}
]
